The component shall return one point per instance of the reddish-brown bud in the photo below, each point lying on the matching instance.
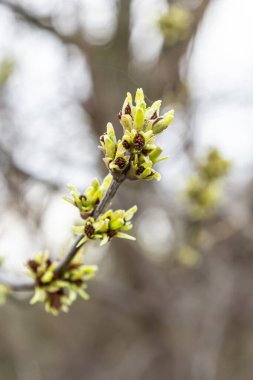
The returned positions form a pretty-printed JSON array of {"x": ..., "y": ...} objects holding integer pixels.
[
  {"x": 156, "y": 121},
  {"x": 85, "y": 215},
  {"x": 89, "y": 230},
  {"x": 145, "y": 152},
  {"x": 140, "y": 170},
  {"x": 111, "y": 234},
  {"x": 33, "y": 265},
  {"x": 55, "y": 299},
  {"x": 49, "y": 262},
  {"x": 125, "y": 144},
  {"x": 138, "y": 141},
  {"x": 120, "y": 162},
  {"x": 128, "y": 110},
  {"x": 154, "y": 116}
]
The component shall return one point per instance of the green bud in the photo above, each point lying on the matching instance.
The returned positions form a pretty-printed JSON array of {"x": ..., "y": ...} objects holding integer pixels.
[
  {"x": 139, "y": 118},
  {"x": 163, "y": 122},
  {"x": 101, "y": 226},
  {"x": 95, "y": 185},
  {"x": 105, "y": 239},
  {"x": 122, "y": 235},
  {"x": 119, "y": 163},
  {"x": 168, "y": 117},
  {"x": 130, "y": 213},
  {"x": 126, "y": 141},
  {"x": 58, "y": 293},
  {"x": 126, "y": 122},
  {"x": 39, "y": 296},
  {"x": 110, "y": 147},
  {"x": 111, "y": 132},
  {"x": 139, "y": 97},
  {"x": 116, "y": 224},
  {"x": 145, "y": 173},
  {"x": 47, "y": 277},
  {"x": 107, "y": 161},
  {"x": 155, "y": 175},
  {"x": 83, "y": 294},
  {"x": 128, "y": 100},
  {"x": 155, "y": 153},
  {"x": 120, "y": 149},
  {"x": 153, "y": 111},
  {"x": 89, "y": 272},
  {"x": 106, "y": 183}
]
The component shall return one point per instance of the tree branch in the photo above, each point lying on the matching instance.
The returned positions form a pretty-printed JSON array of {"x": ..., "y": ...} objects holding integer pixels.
[
  {"x": 101, "y": 206},
  {"x": 108, "y": 196},
  {"x": 46, "y": 24}
]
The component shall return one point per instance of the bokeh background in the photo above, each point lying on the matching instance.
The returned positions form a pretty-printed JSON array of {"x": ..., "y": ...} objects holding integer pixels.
[{"x": 164, "y": 307}]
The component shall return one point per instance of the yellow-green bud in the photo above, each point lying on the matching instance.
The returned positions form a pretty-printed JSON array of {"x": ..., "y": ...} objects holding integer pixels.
[
  {"x": 162, "y": 123},
  {"x": 126, "y": 122},
  {"x": 139, "y": 97},
  {"x": 139, "y": 118}
]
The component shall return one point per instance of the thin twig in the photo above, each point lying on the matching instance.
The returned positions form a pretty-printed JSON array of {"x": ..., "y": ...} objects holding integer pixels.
[
  {"x": 100, "y": 208},
  {"x": 108, "y": 196}
]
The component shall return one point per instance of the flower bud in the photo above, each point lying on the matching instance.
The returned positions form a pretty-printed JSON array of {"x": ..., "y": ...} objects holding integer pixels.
[
  {"x": 127, "y": 102},
  {"x": 153, "y": 112},
  {"x": 139, "y": 118},
  {"x": 162, "y": 123},
  {"x": 111, "y": 132},
  {"x": 126, "y": 122},
  {"x": 138, "y": 141},
  {"x": 139, "y": 97},
  {"x": 155, "y": 153},
  {"x": 120, "y": 162},
  {"x": 47, "y": 277},
  {"x": 110, "y": 147},
  {"x": 130, "y": 213}
]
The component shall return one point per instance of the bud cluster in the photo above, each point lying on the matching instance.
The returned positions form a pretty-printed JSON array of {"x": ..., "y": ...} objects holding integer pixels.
[
  {"x": 214, "y": 166},
  {"x": 56, "y": 284},
  {"x": 203, "y": 189},
  {"x": 106, "y": 226},
  {"x": 176, "y": 24},
  {"x": 89, "y": 199},
  {"x": 59, "y": 290},
  {"x": 137, "y": 148}
]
